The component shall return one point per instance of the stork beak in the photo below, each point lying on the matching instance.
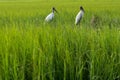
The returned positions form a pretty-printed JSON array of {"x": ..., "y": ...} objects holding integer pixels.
[
  {"x": 56, "y": 11},
  {"x": 84, "y": 10}
]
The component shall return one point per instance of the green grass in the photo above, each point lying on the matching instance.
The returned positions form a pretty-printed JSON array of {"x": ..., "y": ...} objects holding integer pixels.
[{"x": 33, "y": 50}]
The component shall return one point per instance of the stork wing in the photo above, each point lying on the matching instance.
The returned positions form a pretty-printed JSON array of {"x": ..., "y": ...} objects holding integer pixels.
[
  {"x": 78, "y": 17},
  {"x": 49, "y": 17}
]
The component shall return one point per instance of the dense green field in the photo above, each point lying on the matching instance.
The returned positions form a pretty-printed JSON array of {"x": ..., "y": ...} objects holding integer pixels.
[{"x": 33, "y": 50}]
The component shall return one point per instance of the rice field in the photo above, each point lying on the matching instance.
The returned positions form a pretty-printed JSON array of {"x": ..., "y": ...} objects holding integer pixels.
[{"x": 31, "y": 49}]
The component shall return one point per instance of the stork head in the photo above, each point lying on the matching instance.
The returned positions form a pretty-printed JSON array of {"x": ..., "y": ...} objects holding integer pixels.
[
  {"x": 81, "y": 8},
  {"x": 54, "y": 10}
]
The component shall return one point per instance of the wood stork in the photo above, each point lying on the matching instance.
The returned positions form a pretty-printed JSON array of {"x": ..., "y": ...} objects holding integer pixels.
[
  {"x": 79, "y": 16},
  {"x": 51, "y": 15}
]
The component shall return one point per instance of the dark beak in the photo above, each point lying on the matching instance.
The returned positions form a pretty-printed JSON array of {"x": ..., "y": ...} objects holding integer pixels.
[
  {"x": 56, "y": 11},
  {"x": 83, "y": 10}
]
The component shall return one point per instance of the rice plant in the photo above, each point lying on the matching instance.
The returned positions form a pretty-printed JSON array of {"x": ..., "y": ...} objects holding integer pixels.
[{"x": 33, "y": 50}]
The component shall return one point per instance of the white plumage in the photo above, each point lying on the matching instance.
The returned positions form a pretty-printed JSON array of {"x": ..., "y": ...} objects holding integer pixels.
[
  {"x": 79, "y": 16},
  {"x": 51, "y": 15}
]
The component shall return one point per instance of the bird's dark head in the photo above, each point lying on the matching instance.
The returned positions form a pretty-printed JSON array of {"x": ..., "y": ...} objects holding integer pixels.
[
  {"x": 81, "y": 8},
  {"x": 53, "y": 9}
]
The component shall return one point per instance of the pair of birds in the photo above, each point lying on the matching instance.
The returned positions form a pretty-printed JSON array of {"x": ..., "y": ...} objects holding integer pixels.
[{"x": 77, "y": 19}]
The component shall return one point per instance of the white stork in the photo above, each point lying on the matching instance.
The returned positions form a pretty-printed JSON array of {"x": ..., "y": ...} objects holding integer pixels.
[
  {"x": 51, "y": 15},
  {"x": 79, "y": 16}
]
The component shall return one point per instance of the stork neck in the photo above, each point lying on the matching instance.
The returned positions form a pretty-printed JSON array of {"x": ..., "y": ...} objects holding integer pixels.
[
  {"x": 53, "y": 11},
  {"x": 82, "y": 10}
]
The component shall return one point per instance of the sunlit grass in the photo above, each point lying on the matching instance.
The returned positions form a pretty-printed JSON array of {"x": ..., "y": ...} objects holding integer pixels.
[{"x": 33, "y": 50}]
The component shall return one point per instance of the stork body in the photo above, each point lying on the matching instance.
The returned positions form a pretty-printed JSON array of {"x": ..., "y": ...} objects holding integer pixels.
[
  {"x": 79, "y": 16},
  {"x": 51, "y": 15}
]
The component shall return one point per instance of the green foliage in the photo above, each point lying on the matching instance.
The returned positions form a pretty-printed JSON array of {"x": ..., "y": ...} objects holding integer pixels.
[{"x": 33, "y": 50}]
